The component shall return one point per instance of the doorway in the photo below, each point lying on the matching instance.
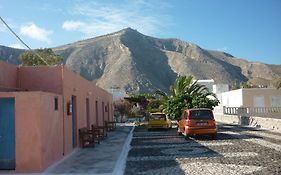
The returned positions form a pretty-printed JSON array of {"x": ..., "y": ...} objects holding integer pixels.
[
  {"x": 97, "y": 113},
  {"x": 102, "y": 112},
  {"x": 88, "y": 113},
  {"x": 7, "y": 134},
  {"x": 74, "y": 121}
]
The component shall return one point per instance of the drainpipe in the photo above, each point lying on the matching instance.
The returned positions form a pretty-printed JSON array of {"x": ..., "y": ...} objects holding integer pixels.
[{"x": 63, "y": 110}]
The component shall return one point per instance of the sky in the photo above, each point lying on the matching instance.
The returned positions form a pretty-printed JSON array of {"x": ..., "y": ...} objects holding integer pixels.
[{"x": 247, "y": 29}]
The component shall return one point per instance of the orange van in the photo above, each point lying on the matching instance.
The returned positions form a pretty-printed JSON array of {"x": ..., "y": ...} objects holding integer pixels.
[{"x": 197, "y": 121}]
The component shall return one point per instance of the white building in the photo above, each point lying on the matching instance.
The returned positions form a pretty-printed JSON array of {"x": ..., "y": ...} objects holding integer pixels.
[
  {"x": 220, "y": 88},
  {"x": 117, "y": 93},
  {"x": 252, "y": 97},
  {"x": 208, "y": 83}
]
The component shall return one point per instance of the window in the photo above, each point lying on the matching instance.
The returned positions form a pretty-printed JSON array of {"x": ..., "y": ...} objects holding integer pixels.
[
  {"x": 258, "y": 101},
  {"x": 56, "y": 102},
  {"x": 158, "y": 117},
  {"x": 201, "y": 115},
  {"x": 275, "y": 101}
]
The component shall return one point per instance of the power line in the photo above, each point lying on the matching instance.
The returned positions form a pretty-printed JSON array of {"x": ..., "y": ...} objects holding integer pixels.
[{"x": 22, "y": 41}]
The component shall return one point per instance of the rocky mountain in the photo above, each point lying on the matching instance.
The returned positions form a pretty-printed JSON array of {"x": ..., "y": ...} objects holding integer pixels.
[
  {"x": 139, "y": 63},
  {"x": 10, "y": 55}
]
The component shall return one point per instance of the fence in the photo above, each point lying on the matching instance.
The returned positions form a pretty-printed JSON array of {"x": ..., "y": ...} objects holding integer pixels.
[{"x": 253, "y": 111}]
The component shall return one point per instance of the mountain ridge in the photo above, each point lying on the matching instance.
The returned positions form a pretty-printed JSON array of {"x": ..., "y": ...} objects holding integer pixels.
[{"x": 139, "y": 63}]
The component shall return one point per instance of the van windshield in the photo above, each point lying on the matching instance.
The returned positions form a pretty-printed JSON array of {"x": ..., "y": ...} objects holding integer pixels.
[
  {"x": 158, "y": 117},
  {"x": 201, "y": 115}
]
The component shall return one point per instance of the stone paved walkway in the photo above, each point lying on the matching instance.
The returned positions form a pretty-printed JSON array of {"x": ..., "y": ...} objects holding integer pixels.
[{"x": 108, "y": 157}]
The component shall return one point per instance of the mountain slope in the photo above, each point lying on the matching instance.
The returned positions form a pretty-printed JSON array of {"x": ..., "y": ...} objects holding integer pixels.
[
  {"x": 10, "y": 55},
  {"x": 139, "y": 63}
]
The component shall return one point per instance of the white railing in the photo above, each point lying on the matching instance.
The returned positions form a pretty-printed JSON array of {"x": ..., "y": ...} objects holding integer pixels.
[{"x": 252, "y": 111}]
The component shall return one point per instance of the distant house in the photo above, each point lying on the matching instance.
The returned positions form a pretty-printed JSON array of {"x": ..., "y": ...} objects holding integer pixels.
[
  {"x": 41, "y": 110},
  {"x": 257, "y": 107},
  {"x": 252, "y": 97}
]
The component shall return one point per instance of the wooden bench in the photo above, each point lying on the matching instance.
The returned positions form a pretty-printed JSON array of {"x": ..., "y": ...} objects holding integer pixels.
[
  {"x": 100, "y": 131},
  {"x": 86, "y": 137},
  {"x": 111, "y": 126}
]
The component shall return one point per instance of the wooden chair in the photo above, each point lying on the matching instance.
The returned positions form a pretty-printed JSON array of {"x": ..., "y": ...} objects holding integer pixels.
[
  {"x": 86, "y": 137},
  {"x": 110, "y": 125},
  {"x": 100, "y": 131}
]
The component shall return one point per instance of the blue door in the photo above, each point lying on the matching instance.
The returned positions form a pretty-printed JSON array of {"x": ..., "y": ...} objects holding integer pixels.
[{"x": 7, "y": 134}]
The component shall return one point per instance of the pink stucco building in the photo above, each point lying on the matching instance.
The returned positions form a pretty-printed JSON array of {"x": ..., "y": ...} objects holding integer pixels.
[{"x": 41, "y": 110}]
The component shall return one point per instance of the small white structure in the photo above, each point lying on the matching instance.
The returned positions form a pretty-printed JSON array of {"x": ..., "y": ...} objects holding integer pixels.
[
  {"x": 220, "y": 88},
  {"x": 117, "y": 93},
  {"x": 208, "y": 83}
]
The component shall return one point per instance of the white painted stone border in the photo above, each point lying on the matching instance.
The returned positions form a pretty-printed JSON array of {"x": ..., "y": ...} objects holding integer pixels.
[{"x": 121, "y": 162}]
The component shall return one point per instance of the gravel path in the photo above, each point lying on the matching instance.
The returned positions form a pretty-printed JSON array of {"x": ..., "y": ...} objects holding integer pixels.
[{"x": 237, "y": 150}]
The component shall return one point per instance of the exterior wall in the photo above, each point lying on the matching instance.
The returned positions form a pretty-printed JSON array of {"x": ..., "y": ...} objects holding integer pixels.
[
  {"x": 266, "y": 93},
  {"x": 246, "y": 97},
  {"x": 232, "y": 98},
  {"x": 38, "y": 130},
  {"x": 44, "y": 135},
  {"x": 74, "y": 85},
  {"x": 41, "y": 78},
  {"x": 8, "y": 76},
  {"x": 51, "y": 129}
]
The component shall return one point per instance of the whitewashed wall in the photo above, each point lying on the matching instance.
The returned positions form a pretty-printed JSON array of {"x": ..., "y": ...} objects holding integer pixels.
[{"x": 232, "y": 98}]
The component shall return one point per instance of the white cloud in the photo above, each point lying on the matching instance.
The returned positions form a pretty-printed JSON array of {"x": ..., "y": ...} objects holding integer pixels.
[
  {"x": 73, "y": 25},
  {"x": 97, "y": 19},
  {"x": 17, "y": 46},
  {"x": 33, "y": 31}
]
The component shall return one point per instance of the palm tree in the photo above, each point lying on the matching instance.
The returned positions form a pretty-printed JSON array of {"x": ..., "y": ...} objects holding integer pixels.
[{"x": 185, "y": 94}]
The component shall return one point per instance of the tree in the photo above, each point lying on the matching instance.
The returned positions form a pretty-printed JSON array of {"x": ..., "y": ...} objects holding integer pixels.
[
  {"x": 122, "y": 107},
  {"x": 31, "y": 59},
  {"x": 186, "y": 94},
  {"x": 278, "y": 83},
  {"x": 142, "y": 100},
  {"x": 154, "y": 105}
]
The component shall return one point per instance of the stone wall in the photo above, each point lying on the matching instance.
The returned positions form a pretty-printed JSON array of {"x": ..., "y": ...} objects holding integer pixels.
[{"x": 272, "y": 124}]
